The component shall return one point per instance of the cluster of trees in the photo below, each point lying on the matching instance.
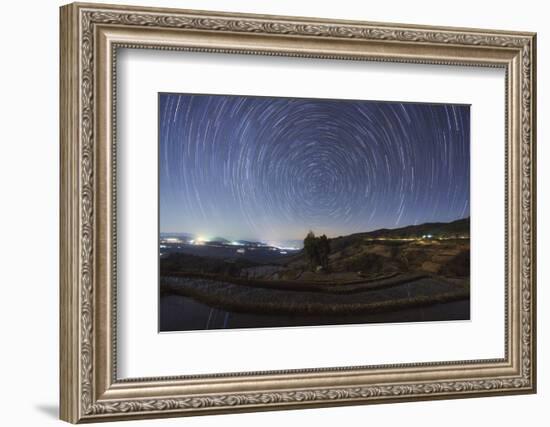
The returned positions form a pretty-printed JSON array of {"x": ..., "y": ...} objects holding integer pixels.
[{"x": 317, "y": 250}]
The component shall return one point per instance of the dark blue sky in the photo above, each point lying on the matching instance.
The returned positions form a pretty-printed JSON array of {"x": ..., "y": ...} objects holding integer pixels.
[{"x": 273, "y": 168}]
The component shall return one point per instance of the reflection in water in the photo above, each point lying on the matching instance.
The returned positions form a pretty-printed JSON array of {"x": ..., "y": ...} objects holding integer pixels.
[{"x": 179, "y": 313}]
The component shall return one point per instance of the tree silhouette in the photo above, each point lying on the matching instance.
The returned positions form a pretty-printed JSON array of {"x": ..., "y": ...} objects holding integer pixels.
[
  {"x": 310, "y": 249},
  {"x": 323, "y": 247},
  {"x": 317, "y": 250}
]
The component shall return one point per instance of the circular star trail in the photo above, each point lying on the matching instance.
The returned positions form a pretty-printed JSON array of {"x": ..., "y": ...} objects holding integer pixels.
[{"x": 271, "y": 169}]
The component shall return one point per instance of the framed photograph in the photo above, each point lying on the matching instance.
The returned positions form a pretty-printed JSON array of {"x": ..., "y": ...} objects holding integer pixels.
[{"x": 265, "y": 212}]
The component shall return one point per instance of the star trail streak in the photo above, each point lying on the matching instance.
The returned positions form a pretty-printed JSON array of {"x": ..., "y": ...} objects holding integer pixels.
[{"x": 271, "y": 169}]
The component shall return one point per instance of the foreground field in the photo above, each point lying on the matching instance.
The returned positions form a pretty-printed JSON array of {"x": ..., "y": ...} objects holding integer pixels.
[{"x": 384, "y": 295}]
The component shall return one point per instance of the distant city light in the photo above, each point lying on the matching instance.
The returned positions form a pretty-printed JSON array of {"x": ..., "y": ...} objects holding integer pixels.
[
  {"x": 200, "y": 240},
  {"x": 172, "y": 240},
  {"x": 276, "y": 246}
]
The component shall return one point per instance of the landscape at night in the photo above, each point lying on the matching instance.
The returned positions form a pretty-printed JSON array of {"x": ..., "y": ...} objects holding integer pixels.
[{"x": 279, "y": 212}]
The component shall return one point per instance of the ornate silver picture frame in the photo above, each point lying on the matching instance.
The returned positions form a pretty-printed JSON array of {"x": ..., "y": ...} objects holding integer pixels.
[{"x": 91, "y": 36}]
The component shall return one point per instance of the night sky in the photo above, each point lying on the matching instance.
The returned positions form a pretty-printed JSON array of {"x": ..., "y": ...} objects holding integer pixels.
[{"x": 271, "y": 169}]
